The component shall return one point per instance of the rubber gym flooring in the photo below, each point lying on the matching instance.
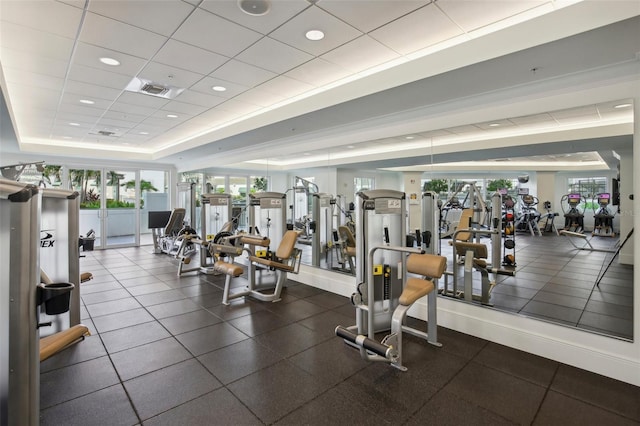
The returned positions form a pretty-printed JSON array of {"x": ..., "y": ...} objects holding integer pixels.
[{"x": 165, "y": 351}]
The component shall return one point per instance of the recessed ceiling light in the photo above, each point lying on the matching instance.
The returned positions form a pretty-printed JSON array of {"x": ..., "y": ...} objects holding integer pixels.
[
  {"x": 409, "y": 137},
  {"x": 87, "y": 101},
  {"x": 172, "y": 116},
  {"x": 219, "y": 88},
  {"x": 622, "y": 106},
  {"x": 350, "y": 146},
  {"x": 110, "y": 61},
  {"x": 74, "y": 124},
  {"x": 144, "y": 133},
  {"x": 314, "y": 35},
  {"x": 494, "y": 124}
]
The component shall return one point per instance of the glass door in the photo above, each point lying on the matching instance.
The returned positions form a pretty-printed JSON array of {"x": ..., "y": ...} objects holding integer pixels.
[
  {"x": 154, "y": 189},
  {"x": 122, "y": 199},
  {"x": 88, "y": 184}
]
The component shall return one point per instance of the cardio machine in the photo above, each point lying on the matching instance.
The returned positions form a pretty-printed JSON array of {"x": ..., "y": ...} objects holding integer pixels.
[
  {"x": 574, "y": 216},
  {"x": 529, "y": 215},
  {"x": 603, "y": 218}
]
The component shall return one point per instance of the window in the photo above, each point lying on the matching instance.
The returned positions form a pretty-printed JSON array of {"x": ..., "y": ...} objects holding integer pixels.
[{"x": 362, "y": 183}]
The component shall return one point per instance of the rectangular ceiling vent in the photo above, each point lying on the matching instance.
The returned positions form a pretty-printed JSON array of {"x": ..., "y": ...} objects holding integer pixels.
[
  {"x": 148, "y": 87},
  {"x": 154, "y": 89},
  {"x": 106, "y": 133}
]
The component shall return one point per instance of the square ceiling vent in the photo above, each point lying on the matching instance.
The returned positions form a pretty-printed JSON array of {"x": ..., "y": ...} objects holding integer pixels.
[{"x": 148, "y": 87}]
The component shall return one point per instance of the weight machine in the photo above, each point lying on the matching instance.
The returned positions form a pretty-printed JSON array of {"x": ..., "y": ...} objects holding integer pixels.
[
  {"x": 384, "y": 292},
  {"x": 451, "y": 210},
  {"x": 321, "y": 228}
]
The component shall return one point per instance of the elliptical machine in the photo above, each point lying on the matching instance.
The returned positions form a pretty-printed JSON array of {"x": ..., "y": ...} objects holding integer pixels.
[
  {"x": 574, "y": 217},
  {"x": 603, "y": 218}
]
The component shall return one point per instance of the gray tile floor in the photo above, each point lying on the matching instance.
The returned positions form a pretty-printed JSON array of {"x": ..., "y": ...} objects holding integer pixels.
[{"x": 165, "y": 351}]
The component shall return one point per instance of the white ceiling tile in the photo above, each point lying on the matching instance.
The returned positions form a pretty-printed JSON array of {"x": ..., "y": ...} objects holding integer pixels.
[
  {"x": 529, "y": 119},
  {"x": 32, "y": 79},
  {"x": 274, "y": 56},
  {"x": 91, "y": 91},
  {"x": 119, "y": 36},
  {"x": 70, "y": 107},
  {"x": 589, "y": 110},
  {"x": 185, "y": 56},
  {"x": 169, "y": 76},
  {"x": 135, "y": 110},
  {"x": 286, "y": 86},
  {"x": 243, "y": 74},
  {"x": 360, "y": 54},
  {"x": 27, "y": 62},
  {"x": 205, "y": 86},
  {"x": 160, "y": 17},
  {"x": 198, "y": 98},
  {"x": 211, "y": 32},
  {"x": 114, "y": 125},
  {"x": 238, "y": 107},
  {"x": 281, "y": 11},
  {"x": 37, "y": 14},
  {"x": 369, "y": 15},
  {"x": 35, "y": 97},
  {"x": 336, "y": 32},
  {"x": 124, "y": 117},
  {"x": 98, "y": 77},
  {"x": 458, "y": 130},
  {"x": 422, "y": 28},
  {"x": 577, "y": 119},
  {"x": 473, "y": 14},
  {"x": 318, "y": 72},
  {"x": 89, "y": 55},
  {"x": 17, "y": 37},
  {"x": 160, "y": 122},
  {"x": 142, "y": 100},
  {"x": 183, "y": 108},
  {"x": 491, "y": 125},
  {"x": 259, "y": 96}
]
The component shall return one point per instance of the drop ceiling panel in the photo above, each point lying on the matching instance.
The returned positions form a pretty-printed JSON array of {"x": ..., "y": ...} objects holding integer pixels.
[
  {"x": 198, "y": 98},
  {"x": 286, "y": 86},
  {"x": 242, "y": 73},
  {"x": 37, "y": 14},
  {"x": 318, "y": 72},
  {"x": 126, "y": 108},
  {"x": 219, "y": 31},
  {"x": 336, "y": 32},
  {"x": 98, "y": 77},
  {"x": 158, "y": 123},
  {"x": 124, "y": 117},
  {"x": 471, "y": 14},
  {"x": 258, "y": 96},
  {"x": 163, "y": 114},
  {"x": 40, "y": 43},
  {"x": 119, "y": 36},
  {"x": 89, "y": 55},
  {"x": 159, "y": 17},
  {"x": 70, "y": 105},
  {"x": 142, "y": 100},
  {"x": 274, "y": 56},
  {"x": 92, "y": 92},
  {"x": 420, "y": 29},
  {"x": 237, "y": 107},
  {"x": 360, "y": 54},
  {"x": 281, "y": 11},
  {"x": 27, "y": 62},
  {"x": 496, "y": 125},
  {"x": 184, "y": 108},
  {"x": 187, "y": 57},
  {"x": 113, "y": 125},
  {"x": 169, "y": 76},
  {"x": 369, "y": 15},
  {"x": 36, "y": 81},
  {"x": 536, "y": 118},
  {"x": 205, "y": 86}
]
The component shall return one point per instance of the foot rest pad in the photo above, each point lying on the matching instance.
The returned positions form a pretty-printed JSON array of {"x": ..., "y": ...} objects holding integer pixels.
[{"x": 53, "y": 344}]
